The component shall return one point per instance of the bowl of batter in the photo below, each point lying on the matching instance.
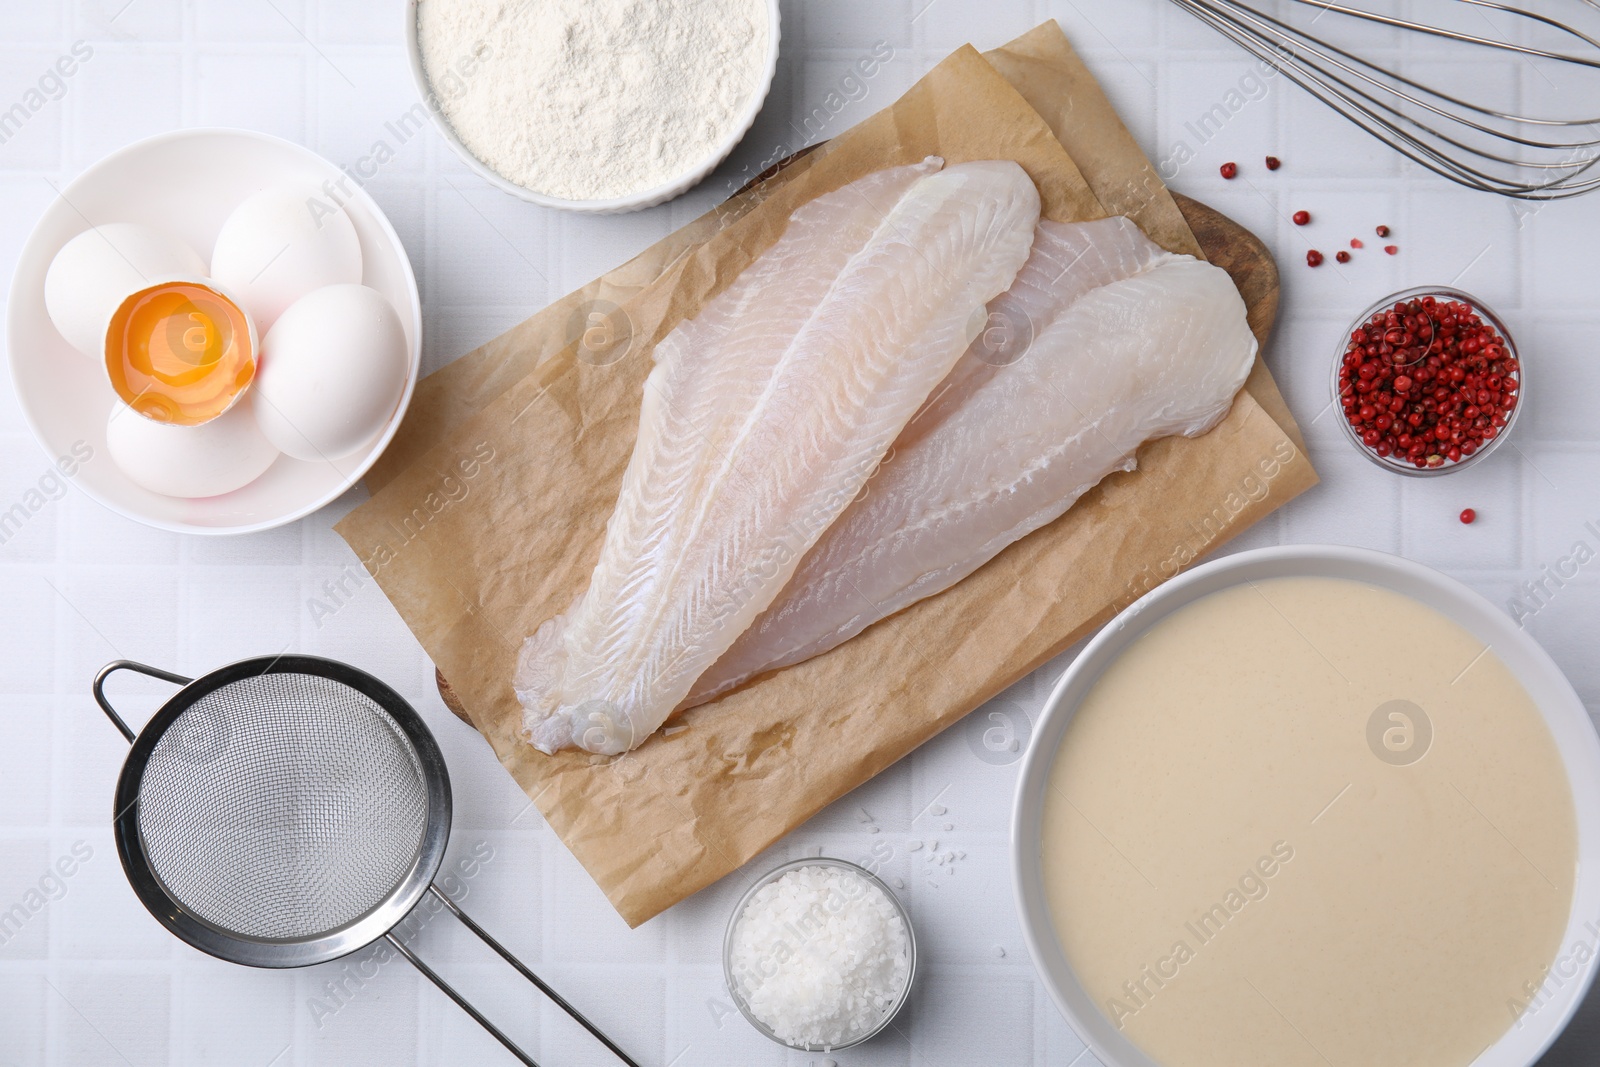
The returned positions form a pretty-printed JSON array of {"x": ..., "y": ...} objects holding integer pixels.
[{"x": 1312, "y": 805}]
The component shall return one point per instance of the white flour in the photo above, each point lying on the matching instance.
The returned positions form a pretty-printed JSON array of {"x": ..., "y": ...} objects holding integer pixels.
[{"x": 593, "y": 99}]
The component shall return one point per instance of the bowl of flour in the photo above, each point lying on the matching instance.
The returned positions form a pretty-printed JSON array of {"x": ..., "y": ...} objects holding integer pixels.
[{"x": 601, "y": 106}]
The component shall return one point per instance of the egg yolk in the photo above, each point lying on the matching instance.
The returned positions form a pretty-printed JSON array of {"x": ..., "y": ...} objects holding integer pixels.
[{"x": 179, "y": 353}]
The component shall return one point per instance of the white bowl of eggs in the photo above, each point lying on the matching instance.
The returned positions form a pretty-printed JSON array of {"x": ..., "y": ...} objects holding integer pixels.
[{"x": 216, "y": 330}]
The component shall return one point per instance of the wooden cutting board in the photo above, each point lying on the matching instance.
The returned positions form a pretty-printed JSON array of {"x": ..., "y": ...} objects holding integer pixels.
[{"x": 1231, "y": 247}]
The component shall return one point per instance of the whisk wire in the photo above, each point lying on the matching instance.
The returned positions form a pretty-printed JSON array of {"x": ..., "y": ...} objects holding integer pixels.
[
  {"x": 1430, "y": 126},
  {"x": 1290, "y": 36},
  {"x": 1467, "y": 38}
]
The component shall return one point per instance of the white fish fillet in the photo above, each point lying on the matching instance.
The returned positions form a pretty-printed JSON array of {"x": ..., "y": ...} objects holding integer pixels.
[
  {"x": 1129, "y": 343},
  {"x": 761, "y": 420}
]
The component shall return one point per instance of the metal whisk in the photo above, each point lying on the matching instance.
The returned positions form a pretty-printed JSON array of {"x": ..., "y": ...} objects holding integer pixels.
[{"x": 1464, "y": 135}]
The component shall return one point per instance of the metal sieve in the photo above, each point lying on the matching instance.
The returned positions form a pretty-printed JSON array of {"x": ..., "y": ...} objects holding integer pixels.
[{"x": 287, "y": 811}]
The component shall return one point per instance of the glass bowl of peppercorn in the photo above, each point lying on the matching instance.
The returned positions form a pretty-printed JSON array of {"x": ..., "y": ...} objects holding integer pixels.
[{"x": 1428, "y": 381}]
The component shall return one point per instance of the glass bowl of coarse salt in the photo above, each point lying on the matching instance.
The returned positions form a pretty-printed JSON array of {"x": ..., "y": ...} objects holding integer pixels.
[
  {"x": 598, "y": 106},
  {"x": 820, "y": 955}
]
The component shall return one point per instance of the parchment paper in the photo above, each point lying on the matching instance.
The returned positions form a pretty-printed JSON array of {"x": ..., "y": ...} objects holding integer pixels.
[
  {"x": 465, "y": 386},
  {"x": 496, "y": 522}
]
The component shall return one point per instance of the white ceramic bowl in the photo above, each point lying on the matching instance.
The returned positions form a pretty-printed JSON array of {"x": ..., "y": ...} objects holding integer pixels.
[
  {"x": 617, "y": 205},
  {"x": 1564, "y": 713},
  {"x": 187, "y": 182}
]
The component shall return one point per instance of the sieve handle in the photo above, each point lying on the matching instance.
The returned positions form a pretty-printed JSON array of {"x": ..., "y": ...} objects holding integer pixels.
[
  {"x": 450, "y": 992},
  {"x": 128, "y": 665},
  {"x": 460, "y": 1000},
  {"x": 557, "y": 998}
]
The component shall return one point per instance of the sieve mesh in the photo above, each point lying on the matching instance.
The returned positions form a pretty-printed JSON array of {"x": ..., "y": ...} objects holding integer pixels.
[{"x": 282, "y": 806}]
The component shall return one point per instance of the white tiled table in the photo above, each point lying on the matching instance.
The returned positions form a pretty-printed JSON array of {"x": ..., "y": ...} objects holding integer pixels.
[{"x": 91, "y": 979}]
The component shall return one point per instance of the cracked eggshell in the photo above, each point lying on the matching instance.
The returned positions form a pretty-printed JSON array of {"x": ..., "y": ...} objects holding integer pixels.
[{"x": 331, "y": 373}]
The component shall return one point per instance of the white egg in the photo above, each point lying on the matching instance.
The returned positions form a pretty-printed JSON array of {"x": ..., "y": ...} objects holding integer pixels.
[
  {"x": 281, "y": 244},
  {"x": 98, "y": 269},
  {"x": 331, "y": 372},
  {"x": 216, "y": 457}
]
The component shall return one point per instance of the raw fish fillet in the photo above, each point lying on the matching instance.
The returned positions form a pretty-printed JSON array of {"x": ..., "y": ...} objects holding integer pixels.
[
  {"x": 762, "y": 419},
  {"x": 1128, "y": 343}
]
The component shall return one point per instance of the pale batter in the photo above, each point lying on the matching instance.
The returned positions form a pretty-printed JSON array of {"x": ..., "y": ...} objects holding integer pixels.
[{"x": 1308, "y": 822}]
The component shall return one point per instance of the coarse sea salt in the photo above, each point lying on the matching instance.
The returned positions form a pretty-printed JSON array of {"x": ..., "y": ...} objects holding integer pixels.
[{"x": 821, "y": 956}]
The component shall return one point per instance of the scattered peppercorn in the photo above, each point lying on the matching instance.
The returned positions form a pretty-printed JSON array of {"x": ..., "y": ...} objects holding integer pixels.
[
  {"x": 1469, "y": 516},
  {"x": 1273, "y": 162},
  {"x": 1343, "y": 257},
  {"x": 1301, "y": 218},
  {"x": 1383, "y": 231},
  {"x": 1230, "y": 171},
  {"x": 1393, "y": 250},
  {"x": 1313, "y": 258},
  {"x": 1356, "y": 242},
  {"x": 1428, "y": 382}
]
